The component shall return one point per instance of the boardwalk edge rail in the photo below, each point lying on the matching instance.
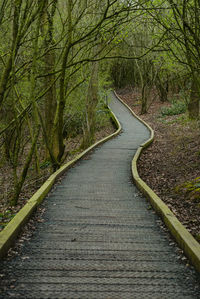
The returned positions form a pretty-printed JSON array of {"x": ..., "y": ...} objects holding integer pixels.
[
  {"x": 182, "y": 236},
  {"x": 12, "y": 230}
]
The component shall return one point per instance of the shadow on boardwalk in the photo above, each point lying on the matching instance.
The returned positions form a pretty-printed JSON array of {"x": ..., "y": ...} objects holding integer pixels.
[{"x": 99, "y": 239}]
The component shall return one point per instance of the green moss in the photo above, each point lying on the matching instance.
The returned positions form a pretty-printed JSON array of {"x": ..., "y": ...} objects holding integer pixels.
[
  {"x": 190, "y": 189},
  {"x": 197, "y": 179},
  {"x": 177, "y": 189}
]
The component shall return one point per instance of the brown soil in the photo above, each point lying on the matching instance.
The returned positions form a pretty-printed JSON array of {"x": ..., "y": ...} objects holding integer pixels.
[{"x": 171, "y": 165}]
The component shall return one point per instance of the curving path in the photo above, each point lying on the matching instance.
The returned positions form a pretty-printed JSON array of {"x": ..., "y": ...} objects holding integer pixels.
[{"x": 99, "y": 238}]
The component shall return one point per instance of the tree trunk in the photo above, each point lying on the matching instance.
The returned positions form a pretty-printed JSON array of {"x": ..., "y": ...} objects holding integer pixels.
[
  {"x": 14, "y": 48},
  {"x": 58, "y": 142},
  {"x": 144, "y": 99},
  {"x": 19, "y": 183},
  {"x": 91, "y": 103},
  {"x": 162, "y": 88},
  {"x": 193, "y": 106},
  {"x": 49, "y": 80}
]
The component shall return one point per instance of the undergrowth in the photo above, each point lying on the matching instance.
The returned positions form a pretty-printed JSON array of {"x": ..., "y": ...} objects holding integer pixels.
[
  {"x": 177, "y": 107},
  {"x": 191, "y": 190}
]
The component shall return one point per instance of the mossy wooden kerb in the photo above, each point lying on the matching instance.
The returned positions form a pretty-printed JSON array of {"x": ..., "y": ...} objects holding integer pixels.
[
  {"x": 182, "y": 236},
  {"x": 12, "y": 230}
]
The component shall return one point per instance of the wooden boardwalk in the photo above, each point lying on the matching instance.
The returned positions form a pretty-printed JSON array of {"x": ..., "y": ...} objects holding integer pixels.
[{"x": 99, "y": 239}]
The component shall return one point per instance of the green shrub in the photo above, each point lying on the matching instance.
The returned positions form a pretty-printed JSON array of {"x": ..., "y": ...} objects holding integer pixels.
[
  {"x": 73, "y": 124},
  {"x": 175, "y": 109}
]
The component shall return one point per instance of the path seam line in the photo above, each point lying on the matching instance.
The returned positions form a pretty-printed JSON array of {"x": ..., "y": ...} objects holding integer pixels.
[
  {"x": 182, "y": 236},
  {"x": 13, "y": 228}
]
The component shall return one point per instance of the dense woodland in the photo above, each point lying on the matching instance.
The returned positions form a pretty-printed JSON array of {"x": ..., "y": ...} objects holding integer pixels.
[{"x": 58, "y": 60}]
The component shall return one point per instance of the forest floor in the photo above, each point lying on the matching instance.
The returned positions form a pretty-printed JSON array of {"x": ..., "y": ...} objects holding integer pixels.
[
  {"x": 171, "y": 165},
  {"x": 34, "y": 181}
]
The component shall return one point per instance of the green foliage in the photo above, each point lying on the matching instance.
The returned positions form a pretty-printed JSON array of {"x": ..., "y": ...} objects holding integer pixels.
[
  {"x": 102, "y": 116},
  {"x": 45, "y": 164},
  {"x": 73, "y": 123},
  {"x": 102, "y": 112},
  {"x": 74, "y": 111},
  {"x": 185, "y": 95},
  {"x": 177, "y": 107}
]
